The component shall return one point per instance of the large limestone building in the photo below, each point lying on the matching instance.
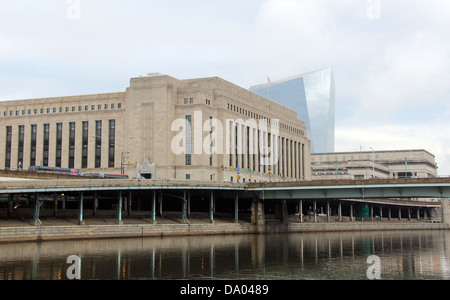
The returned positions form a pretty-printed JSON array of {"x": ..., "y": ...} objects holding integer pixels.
[{"x": 160, "y": 127}]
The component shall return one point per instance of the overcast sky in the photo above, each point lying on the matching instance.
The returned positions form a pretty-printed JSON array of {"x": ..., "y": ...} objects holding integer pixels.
[{"x": 390, "y": 58}]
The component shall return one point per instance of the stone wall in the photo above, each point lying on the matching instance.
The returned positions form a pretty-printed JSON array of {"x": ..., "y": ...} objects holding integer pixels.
[{"x": 52, "y": 233}]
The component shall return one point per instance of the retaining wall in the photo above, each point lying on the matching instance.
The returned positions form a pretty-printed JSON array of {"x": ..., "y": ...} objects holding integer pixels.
[{"x": 52, "y": 233}]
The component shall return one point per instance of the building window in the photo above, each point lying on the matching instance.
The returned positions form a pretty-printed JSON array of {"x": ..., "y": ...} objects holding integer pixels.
[
  {"x": 112, "y": 143},
  {"x": 72, "y": 145},
  {"x": 188, "y": 176},
  {"x": 92, "y": 107},
  {"x": 8, "y": 147},
  {"x": 186, "y": 101},
  {"x": 191, "y": 100},
  {"x": 84, "y": 154},
  {"x": 119, "y": 105},
  {"x": 21, "y": 145},
  {"x": 46, "y": 144},
  {"x": 59, "y": 132},
  {"x": 188, "y": 140},
  {"x": 33, "y": 145},
  {"x": 98, "y": 144}
]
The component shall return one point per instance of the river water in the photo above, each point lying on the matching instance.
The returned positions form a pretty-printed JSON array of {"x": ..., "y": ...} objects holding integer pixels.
[{"x": 409, "y": 255}]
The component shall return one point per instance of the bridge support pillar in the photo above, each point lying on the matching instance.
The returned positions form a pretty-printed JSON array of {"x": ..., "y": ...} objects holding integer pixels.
[
  {"x": 258, "y": 216},
  {"x": 154, "y": 207},
  {"x": 211, "y": 208},
  {"x": 55, "y": 204},
  {"x": 300, "y": 210},
  {"x": 37, "y": 205},
  {"x": 351, "y": 213},
  {"x": 119, "y": 209},
  {"x": 236, "y": 208},
  {"x": 95, "y": 206},
  {"x": 283, "y": 212},
  {"x": 80, "y": 210},
  {"x": 184, "y": 208},
  {"x": 328, "y": 211},
  {"x": 10, "y": 206}
]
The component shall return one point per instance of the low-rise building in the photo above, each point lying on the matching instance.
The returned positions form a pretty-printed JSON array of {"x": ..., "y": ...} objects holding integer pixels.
[{"x": 373, "y": 164}]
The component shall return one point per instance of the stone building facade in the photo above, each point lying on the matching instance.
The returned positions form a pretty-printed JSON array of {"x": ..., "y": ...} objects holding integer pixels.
[
  {"x": 194, "y": 129},
  {"x": 377, "y": 164}
]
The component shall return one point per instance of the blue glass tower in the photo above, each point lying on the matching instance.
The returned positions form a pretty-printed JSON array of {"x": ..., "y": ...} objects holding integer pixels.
[{"x": 312, "y": 95}]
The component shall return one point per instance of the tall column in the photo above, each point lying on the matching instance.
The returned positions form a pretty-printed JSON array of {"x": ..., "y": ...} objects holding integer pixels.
[
  {"x": 184, "y": 208},
  {"x": 381, "y": 213},
  {"x": 211, "y": 208},
  {"x": 258, "y": 217},
  {"x": 399, "y": 213},
  {"x": 94, "y": 208},
  {"x": 154, "y": 207},
  {"x": 315, "y": 211},
  {"x": 160, "y": 204},
  {"x": 390, "y": 214},
  {"x": 119, "y": 209},
  {"x": 37, "y": 222},
  {"x": 300, "y": 210},
  {"x": 236, "y": 208},
  {"x": 351, "y": 213},
  {"x": 188, "y": 204},
  {"x": 80, "y": 210},
  {"x": 340, "y": 212},
  {"x": 284, "y": 212},
  {"x": 10, "y": 205},
  {"x": 55, "y": 204},
  {"x": 130, "y": 198},
  {"x": 328, "y": 212}
]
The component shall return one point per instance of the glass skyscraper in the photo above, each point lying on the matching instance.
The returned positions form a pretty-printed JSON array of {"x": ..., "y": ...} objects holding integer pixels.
[{"x": 312, "y": 95}]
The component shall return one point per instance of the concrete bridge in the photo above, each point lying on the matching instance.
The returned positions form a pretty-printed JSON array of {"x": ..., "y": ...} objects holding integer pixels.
[{"x": 388, "y": 198}]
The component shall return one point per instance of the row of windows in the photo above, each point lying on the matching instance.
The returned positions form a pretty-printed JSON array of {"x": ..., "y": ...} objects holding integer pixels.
[
  {"x": 191, "y": 101},
  {"x": 67, "y": 109},
  {"x": 251, "y": 114},
  {"x": 57, "y": 134}
]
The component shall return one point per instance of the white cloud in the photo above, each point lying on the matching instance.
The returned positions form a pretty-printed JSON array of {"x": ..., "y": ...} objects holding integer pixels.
[{"x": 409, "y": 72}]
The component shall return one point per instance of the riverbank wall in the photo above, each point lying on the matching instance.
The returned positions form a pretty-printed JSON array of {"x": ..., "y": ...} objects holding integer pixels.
[{"x": 59, "y": 233}]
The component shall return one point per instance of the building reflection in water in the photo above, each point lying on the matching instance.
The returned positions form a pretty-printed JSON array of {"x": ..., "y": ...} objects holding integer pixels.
[{"x": 404, "y": 255}]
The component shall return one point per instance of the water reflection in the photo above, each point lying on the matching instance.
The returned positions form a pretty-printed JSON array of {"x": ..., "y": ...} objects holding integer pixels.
[{"x": 404, "y": 255}]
